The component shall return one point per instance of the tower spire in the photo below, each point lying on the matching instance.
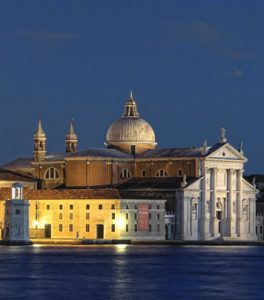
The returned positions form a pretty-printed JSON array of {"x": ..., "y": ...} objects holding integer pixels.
[
  {"x": 39, "y": 143},
  {"x": 71, "y": 139}
]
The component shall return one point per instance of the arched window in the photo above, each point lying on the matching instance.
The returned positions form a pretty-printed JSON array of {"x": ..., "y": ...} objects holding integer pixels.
[
  {"x": 52, "y": 173},
  {"x": 125, "y": 173},
  {"x": 161, "y": 173}
]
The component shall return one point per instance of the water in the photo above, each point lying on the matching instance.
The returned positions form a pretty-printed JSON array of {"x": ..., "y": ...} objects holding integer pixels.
[{"x": 131, "y": 272}]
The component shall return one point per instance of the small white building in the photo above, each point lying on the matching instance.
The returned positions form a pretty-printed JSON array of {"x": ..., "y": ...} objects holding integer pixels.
[
  {"x": 16, "y": 217},
  {"x": 220, "y": 203}
]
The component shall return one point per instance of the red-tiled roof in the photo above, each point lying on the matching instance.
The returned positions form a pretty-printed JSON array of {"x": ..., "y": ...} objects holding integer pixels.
[{"x": 5, "y": 193}]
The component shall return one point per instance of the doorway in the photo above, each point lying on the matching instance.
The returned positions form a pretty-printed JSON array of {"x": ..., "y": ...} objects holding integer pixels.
[
  {"x": 219, "y": 218},
  {"x": 48, "y": 231},
  {"x": 100, "y": 231}
]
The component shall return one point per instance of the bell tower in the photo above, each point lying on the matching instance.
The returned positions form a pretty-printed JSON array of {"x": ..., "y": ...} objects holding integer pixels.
[
  {"x": 71, "y": 140},
  {"x": 39, "y": 143}
]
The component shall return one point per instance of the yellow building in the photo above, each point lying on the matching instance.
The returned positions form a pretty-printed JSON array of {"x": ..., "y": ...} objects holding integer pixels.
[{"x": 89, "y": 214}]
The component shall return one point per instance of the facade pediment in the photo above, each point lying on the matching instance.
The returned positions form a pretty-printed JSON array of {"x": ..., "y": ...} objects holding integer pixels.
[
  {"x": 247, "y": 187},
  {"x": 226, "y": 152}
]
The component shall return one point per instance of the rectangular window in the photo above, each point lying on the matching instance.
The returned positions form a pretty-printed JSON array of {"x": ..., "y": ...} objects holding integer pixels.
[
  {"x": 180, "y": 172},
  {"x": 261, "y": 229},
  {"x": 71, "y": 206},
  {"x": 158, "y": 227},
  {"x": 158, "y": 216},
  {"x": 100, "y": 206},
  {"x": 143, "y": 173},
  {"x": 87, "y": 216},
  {"x": 87, "y": 227},
  {"x": 70, "y": 227},
  {"x": 113, "y": 216},
  {"x": 127, "y": 207},
  {"x": 60, "y": 227},
  {"x": 113, "y": 227},
  {"x": 127, "y": 216},
  {"x": 149, "y": 227},
  {"x": 126, "y": 227},
  {"x": 135, "y": 206},
  {"x": 60, "y": 206},
  {"x": 18, "y": 211},
  {"x": 150, "y": 206},
  {"x": 71, "y": 216},
  {"x": 48, "y": 207},
  {"x": 150, "y": 216},
  {"x": 112, "y": 206},
  {"x": 135, "y": 216},
  {"x": 87, "y": 206},
  {"x": 60, "y": 216},
  {"x": 135, "y": 228},
  {"x": 158, "y": 207}
]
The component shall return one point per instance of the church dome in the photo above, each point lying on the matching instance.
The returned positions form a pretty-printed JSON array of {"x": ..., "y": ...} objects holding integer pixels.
[{"x": 131, "y": 130}]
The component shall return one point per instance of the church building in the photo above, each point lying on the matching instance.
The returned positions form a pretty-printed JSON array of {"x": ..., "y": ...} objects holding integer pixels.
[{"x": 203, "y": 186}]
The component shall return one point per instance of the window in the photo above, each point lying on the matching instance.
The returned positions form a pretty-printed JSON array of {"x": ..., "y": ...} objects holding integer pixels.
[
  {"x": 150, "y": 206},
  {"x": 135, "y": 216},
  {"x": 70, "y": 227},
  {"x": 149, "y": 227},
  {"x": 60, "y": 216},
  {"x": 149, "y": 216},
  {"x": 127, "y": 207},
  {"x": 112, "y": 206},
  {"x": 158, "y": 207},
  {"x": 87, "y": 216},
  {"x": 126, "y": 227},
  {"x": 133, "y": 149},
  {"x": 48, "y": 207},
  {"x": 87, "y": 227},
  {"x": 135, "y": 206},
  {"x": 161, "y": 173},
  {"x": 143, "y": 173},
  {"x": 71, "y": 206},
  {"x": 180, "y": 172},
  {"x": 60, "y": 227},
  {"x": 135, "y": 228},
  {"x": 127, "y": 216},
  {"x": 87, "y": 206},
  {"x": 261, "y": 229},
  {"x": 71, "y": 216},
  {"x": 158, "y": 227},
  {"x": 113, "y": 216},
  {"x": 60, "y": 206},
  {"x": 18, "y": 211},
  {"x": 125, "y": 173},
  {"x": 113, "y": 228},
  {"x": 158, "y": 216},
  {"x": 100, "y": 206},
  {"x": 52, "y": 173}
]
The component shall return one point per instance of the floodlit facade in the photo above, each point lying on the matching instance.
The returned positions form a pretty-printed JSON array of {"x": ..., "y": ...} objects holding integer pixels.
[{"x": 206, "y": 195}]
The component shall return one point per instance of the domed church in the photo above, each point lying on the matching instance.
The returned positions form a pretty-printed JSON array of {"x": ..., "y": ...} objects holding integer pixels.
[{"x": 204, "y": 186}]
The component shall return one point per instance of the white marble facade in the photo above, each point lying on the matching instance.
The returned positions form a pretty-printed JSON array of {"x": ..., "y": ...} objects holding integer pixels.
[{"x": 220, "y": 203}]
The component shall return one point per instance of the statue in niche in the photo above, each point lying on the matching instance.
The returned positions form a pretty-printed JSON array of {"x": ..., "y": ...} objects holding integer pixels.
[{"x": 219, "y": 204}]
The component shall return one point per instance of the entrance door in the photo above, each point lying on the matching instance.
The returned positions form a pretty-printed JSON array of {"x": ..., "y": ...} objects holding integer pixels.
[
  {"x": 100, "y": 231},
  {"x": 48, "y": 231},
  {"x": 219, "y": 217}
]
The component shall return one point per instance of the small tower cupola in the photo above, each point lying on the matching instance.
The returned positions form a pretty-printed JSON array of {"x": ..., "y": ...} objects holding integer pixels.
[
  {"x": 71, "y": 139},
  {"x": 17, "y": 191},
  {"x": 39, "y": 143},
  {"x": 131, "y": 108}
]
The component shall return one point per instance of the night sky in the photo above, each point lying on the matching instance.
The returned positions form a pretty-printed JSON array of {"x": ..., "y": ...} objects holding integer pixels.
[{"x": 193, "y": 66}]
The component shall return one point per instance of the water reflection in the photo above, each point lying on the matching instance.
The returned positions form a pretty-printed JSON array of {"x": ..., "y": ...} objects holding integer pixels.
[{"x": 131, "y": 272}]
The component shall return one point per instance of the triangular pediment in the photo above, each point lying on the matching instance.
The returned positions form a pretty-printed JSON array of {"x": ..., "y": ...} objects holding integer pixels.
[
  {"x": 194, "y": 185},
  {"x": 248, "y": 187},
  {"x": 225, "y": 152}
]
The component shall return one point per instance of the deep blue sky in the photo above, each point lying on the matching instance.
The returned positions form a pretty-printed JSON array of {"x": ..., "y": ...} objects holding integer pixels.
[{"x": 194, "y": 66}]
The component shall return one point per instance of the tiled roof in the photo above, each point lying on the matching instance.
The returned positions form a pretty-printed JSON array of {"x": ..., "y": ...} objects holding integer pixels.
[
  {"x": 19, "y": 163},
  {"x": 14, "y": 176},
  {"x": 101, "y": 152},
  {"x": 5, "y": 193},
  {"x": 154, "y": 183}
]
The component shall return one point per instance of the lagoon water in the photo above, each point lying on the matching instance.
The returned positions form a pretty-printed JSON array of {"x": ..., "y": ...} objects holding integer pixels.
[{"x": 131, "y": 272}]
